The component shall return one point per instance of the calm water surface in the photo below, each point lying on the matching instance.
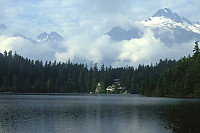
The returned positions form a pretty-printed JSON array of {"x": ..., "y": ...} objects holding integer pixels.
[{"x": 97, "y": 114}]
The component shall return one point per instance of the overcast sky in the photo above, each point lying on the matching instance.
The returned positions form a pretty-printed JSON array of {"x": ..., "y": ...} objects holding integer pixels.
[
  {"x": 83, "y": 24},
  {"x": 36, "y": 16}
]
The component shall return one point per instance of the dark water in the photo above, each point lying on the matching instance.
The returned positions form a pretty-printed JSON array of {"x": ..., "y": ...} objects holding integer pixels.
[{"x": 97, "y": 114}]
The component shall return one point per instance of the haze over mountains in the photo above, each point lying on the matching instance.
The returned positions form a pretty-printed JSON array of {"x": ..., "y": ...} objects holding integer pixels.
[{"x": 163, "y": 35}]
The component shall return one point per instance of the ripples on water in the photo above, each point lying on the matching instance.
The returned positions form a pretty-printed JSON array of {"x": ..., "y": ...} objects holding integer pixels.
[{"x": 97, "y": 114}]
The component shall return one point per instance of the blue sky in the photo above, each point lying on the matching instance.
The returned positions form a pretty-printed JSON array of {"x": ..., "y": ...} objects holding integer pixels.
[{"x": 83, "y": 24}]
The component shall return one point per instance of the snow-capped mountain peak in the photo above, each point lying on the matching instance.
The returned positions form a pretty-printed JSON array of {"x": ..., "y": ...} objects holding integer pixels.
[
  {"x": 42, "y": 37},
  {"x": 166, "y": 25},
  {"x": 167, "y": 13},
  {"x": 53, "y": 36},
  {"x": 167, "y": 19}
]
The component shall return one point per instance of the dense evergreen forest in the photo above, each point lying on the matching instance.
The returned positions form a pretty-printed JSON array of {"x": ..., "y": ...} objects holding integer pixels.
[
  {"x": 166, "y": 78},
  {"x": 182, "y": 80}
]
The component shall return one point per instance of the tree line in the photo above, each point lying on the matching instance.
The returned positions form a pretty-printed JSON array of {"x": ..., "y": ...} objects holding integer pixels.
[
  {"x": 165, "y": 78},
  {"x": 19, "y": 74},
  {"x": 181, "y": 80}
]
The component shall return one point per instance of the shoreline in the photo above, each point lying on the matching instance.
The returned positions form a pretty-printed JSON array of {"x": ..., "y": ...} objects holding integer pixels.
[
  {"x": 88, "y": 94},
  {"x": 93, "y": 94}
]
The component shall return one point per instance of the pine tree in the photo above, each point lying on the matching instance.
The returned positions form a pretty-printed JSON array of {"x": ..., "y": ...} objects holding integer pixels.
[{"x": 196, "y": 50}]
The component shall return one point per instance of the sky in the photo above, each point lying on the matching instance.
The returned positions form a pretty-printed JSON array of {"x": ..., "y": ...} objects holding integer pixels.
[{"x": 83, "y": 24}]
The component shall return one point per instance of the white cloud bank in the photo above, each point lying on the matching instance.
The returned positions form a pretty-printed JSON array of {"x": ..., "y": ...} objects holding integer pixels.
[
  {"x": 148, "y": 49},
  {"x": 94, "y": 47},
  {"x": 102, "y": 50},
  {"x": 26, "y": 48}
]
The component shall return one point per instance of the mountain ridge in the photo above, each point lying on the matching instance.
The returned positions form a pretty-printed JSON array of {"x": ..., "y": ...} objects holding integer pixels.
[
  {"x": 53, "y": 36},
  {"x": 43, "y": 37},
  {"x": 166, "y": 25},
  {"x": 172, "y": 15}
]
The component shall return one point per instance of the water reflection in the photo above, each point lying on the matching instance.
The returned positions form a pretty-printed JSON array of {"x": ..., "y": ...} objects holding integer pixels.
[
  {"x": 99, "y": 114},
  {"x": 184, "y": 118}
]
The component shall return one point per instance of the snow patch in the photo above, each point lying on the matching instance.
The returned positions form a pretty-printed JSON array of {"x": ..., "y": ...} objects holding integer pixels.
[
  {"x": 158, "y": 22},
  {"x": 165, "y": 10}
]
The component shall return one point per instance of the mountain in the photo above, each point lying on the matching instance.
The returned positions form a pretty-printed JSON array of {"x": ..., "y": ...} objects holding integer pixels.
[
  {"x": 53, "y": 37},
  {"x": 166, "y": 25},
  {"x": 24, "y": 37},
  {"x": 118, "y": 34},
  {"x": 167, "y": 13},
  {"x": 43, "y": 36}
]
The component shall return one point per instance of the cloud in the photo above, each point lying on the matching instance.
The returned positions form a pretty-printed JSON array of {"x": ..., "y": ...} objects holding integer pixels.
[
  {"x": 102, "y": 50},
  {"x": 93, "y": 47},
  {"x": 148, "y": 49},
  {"x": 83, "y": 23},
  {"x": 43, "y": 51},
  {"x": 84, "y": 47}
]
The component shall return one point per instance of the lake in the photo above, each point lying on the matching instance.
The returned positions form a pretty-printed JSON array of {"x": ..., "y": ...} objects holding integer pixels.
[{"x": 88, "y": 113}]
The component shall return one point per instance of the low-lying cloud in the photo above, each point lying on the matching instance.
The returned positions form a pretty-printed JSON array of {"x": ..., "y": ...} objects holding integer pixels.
[
  {"x": 148, "y": 49},
  {"x": 103, "y": 50},
  {"x": 26, "y": 48},
  {"x": 94, "y": 47}
]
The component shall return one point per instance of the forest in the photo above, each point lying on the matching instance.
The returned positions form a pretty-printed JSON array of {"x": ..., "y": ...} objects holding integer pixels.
[
  {"x": 166, "y": 78},
  {"x": 181, "y": 80}
]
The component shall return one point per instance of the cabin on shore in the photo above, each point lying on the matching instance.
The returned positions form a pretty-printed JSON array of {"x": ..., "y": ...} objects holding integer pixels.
[
  {"x": 110, "y": 88},
  {"x": 115, "y": 87}
]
